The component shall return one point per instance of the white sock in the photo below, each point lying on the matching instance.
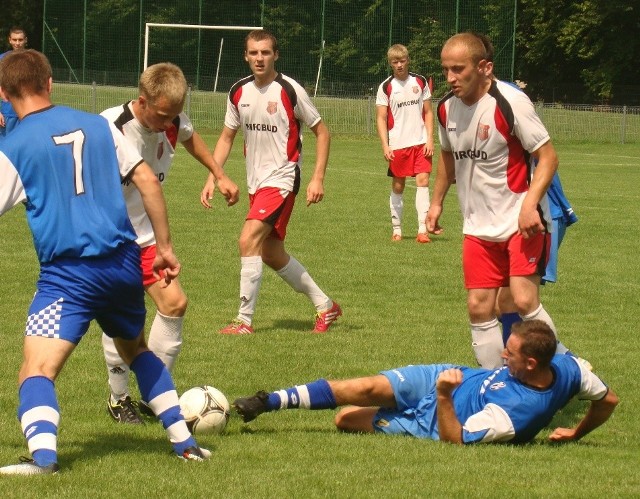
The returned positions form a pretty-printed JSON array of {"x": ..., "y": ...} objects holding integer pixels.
[
  {"x": 250, "y": 280},
  {"x": 165, "y": 338},
  {"x": 396, "y": 205},
  {"x": 541, "y": 314},
  {"x": 487, "y": 343},
  {"x": 422, "y": 207},
  {"x": 117, "y": 370},
  {"x": 296, "y": 276}
]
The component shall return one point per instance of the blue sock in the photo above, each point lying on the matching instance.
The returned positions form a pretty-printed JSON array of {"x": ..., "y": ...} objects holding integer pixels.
[
  {"x": 157, "y": 389},
  {"x": 508, "y": 319},
  {"x": 39, "y": 416},
  {"x": 315, "y": 396}
]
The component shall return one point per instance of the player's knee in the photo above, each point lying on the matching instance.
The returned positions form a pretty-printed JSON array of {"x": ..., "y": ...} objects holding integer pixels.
[
  {"x": 480, "y": 310},
  {"x": 175, "y": 307},
  {"x": 180, "y": 305},
  {"x": 525, "y": 304}
]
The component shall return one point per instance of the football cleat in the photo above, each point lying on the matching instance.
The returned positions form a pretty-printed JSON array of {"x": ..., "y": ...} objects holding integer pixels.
[
  {"x": 422, "y": 238},
  {"x": 326, "y": 318},
  {"x": 249, "y": 408},
  {"x": 237, "y": 327},
  {"x": 396, "y": 237},
  {"x": 28, "y": 466},
  {"x": 124, "y": 411},
  {"x": 197, "y": 454}
]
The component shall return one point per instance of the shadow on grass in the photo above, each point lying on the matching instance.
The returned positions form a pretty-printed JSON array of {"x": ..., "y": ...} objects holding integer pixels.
[{"x": 305, "y": 326}]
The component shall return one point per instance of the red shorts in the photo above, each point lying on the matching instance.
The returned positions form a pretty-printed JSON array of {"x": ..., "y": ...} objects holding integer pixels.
[
  {"x": 488, "y": 264},
  {"x": 270, "y": 206},
  {"x": 408, "y": 162},
  {"x": 147, "y": 256}
]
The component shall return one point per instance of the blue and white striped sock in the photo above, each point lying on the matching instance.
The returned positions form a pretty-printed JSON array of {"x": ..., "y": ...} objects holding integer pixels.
[
  {"x": 314, "y": 396},
  {"x": 158, "y": 390},
  {"x": 39, "y": 416}
]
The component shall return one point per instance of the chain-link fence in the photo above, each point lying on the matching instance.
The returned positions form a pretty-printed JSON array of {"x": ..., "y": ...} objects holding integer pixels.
[
  {"x": 333, "y": 47},
  {"x": 356, "y": 116}
]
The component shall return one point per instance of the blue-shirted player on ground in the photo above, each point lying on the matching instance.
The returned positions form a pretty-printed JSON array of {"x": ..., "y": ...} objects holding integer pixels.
[
  {"x": 459, "y": 404},
  {"x": 66, "y": 167}
]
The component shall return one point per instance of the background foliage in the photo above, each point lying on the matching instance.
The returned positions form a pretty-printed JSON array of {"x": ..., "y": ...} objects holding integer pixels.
[{"x": 576, "y": 52}]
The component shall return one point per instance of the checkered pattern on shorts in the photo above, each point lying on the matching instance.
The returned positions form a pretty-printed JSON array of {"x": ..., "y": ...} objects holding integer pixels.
[{"x": 46, "y": 322}]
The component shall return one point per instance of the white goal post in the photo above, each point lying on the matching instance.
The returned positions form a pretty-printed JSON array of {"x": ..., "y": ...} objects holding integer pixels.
[{"x": 187, "y": 26}]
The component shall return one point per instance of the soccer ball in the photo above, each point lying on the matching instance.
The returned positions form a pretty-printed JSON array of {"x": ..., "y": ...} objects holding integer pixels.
[{"x": 205, "y": 410}]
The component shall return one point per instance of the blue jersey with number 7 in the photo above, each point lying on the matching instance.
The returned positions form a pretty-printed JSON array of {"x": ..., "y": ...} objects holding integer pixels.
[{"x": 66, "y": 166}]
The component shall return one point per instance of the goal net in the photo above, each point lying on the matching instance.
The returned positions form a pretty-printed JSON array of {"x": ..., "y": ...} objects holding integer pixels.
[{"x": 211, "y": 57}]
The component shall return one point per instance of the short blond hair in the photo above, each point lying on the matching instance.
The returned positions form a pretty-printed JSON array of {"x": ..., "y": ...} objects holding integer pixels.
[
  {"x": 397, "y": 51},
  {"x": 163, "y": 80}
]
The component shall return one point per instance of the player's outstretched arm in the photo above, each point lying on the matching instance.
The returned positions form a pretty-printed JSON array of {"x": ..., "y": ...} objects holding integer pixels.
[
  {"x": 599, "y": 411},
  {"x": 315, "y": 189},
  {"x": 199, "y": 150},
  {"x": 154, "y": 204}
]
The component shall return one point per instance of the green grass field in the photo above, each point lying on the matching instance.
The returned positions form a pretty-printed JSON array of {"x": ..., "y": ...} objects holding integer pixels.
[{"x": 403, "y": 303}]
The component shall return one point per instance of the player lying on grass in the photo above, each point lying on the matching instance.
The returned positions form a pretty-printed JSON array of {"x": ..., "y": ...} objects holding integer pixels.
[{"x": 459, "y": 404}]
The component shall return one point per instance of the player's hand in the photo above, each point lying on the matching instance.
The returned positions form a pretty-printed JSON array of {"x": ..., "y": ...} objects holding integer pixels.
[
  {"x": 388, "y": 153},
  {"x": 2, "y": 122},
  {"x": 448, "y": 380},
  {"x": 166, "y": 266},
  {"x": 433, "y": 215},
  {"x": 563, "y": 435},
  {"x": 229, "y": 190},
  {"x": 207, "y": 192},
  {"x": 428, "y": 150},
  {"x": 529, "y": 222},
  {"x": 315, "y": 192}
]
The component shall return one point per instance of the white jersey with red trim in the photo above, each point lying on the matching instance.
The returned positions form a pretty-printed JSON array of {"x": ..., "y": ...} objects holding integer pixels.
[
  {"x": 157, "y": 149},
  {"x": 404, "y": 100},
  {"x": 270, "y": 120},
  {"x": 491, "y": 142}
]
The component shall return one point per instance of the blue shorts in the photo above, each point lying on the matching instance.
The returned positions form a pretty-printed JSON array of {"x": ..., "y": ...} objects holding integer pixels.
[
  {"x": 551, "y": 271},
  {"x": 414, "y": 388},
  {"x": 71, "y": 292}
]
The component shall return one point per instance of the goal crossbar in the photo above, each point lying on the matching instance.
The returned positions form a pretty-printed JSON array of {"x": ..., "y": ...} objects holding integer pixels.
[{"x": 187, "y": 26}]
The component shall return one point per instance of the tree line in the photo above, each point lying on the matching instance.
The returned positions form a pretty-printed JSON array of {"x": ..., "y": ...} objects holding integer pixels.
[{"x": 582, "y": 51}]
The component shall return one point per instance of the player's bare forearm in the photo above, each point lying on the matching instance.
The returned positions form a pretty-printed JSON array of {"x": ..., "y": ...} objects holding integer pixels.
[
  {"x": 445, "y": 176},
  {"x": 598, "y": 413},
  {"x": 323, "y": 143},
  {"x": 428, "y": 125},
  {"x": 383, "y": 132},
  {"x": 529, "y": 222},
  {"x": 154, "y": 203},
  {"x": 222, "y": 150},
  {"x": 153, "y": 200},
  {"x": 449, "y": 427}
]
